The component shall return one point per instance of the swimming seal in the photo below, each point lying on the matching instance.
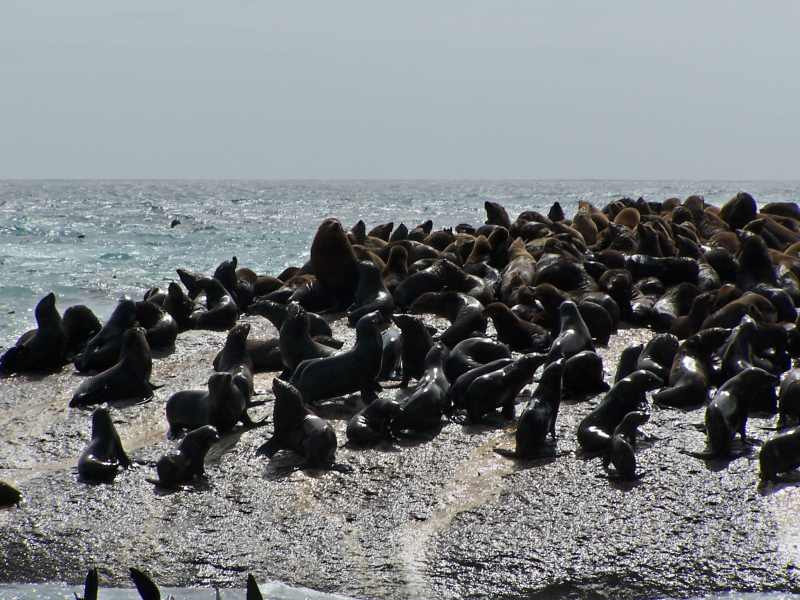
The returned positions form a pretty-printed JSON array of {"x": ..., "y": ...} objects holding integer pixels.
[
  {"x": 779, "y": 454},
  {"x": 627, "y": 395},
  {"x": 103, "y": 349},
  {"x": 370, "y": 295},
  {"x": 42, "y": 349},
  {"x": 188, "y": 464},
  {"x": 372, "y": 424},
  {"x": 538, "y": 418},
  {"x": 417, "y": 342},
  {"x": 623, "y": 443},
  {"x": 500, "y": 388},
  {"x": 103, "y": 457},
  {"x": 127, "y": 379},
  {"x": 299, "y": 429},
  {"x": 425, "y": 405},
  {"x": 354, "y": 370}
]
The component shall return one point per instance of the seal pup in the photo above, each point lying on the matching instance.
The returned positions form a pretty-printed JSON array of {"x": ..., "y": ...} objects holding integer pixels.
[
  {"x": 583, "y": 375},
  {"x": 627, "y": 361},
  {"x": 779, "y": 454},
  {"x": 188, "y": 464},
  {"x": 300, "y": 429},
  {"x": 538, "y": 418},
  {"x": 103, "y": 457},
  {"x": 428, "y": 402},
  {"x": 370, "y": 295},
  {"x": 627, "y": 395},
  {"x": 573, "y": 337},
  {"x": 179, "y": 306},
  {"x": 789, "y": 399},
  {"x": 128, "y": 379},
  {"x": 221, "y": 311},
  {"x": 103, "y": 350},
  {"x": 160, "y": 328},
  {"x": 235, "y": 359},
  {"x": 623, "y": 443},
  {"x": 373, "y": 423},
  {"x": 80, "y": 325},
  {"x": 42, "y": 349},
  {"x": 295, "y": 341},
  {"x": 417, "y": 342},
  {"x": 499, "y": 389},
  {"x": 658, "y": 354}
]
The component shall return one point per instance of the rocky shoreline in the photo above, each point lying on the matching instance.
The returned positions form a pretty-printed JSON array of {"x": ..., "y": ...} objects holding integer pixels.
[{"x": 444, "y": 517}]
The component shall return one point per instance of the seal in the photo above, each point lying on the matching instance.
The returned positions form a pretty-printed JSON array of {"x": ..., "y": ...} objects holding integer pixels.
[
  {"x": 573, "y": 337},
  {"x": 104, "y": 456},
  {"x": 520, "y": 335},
  {"x": 500, "y": 388},
  {"x": 428, "y": 402},
  {"x": 80, "y": 325},
  {"x": 373, "y": 423},
  {"x": 496, "y": 215},
  {"x": 187, "y": 465},
  {"x": 295, "y": 342},
  {"x": 334, "y": 263},
  {"x": 392, "y": 353},
  {"x": 455, "y": 394},
  {"x": 240, "y": 290},
  {"x": 276, "y": 313},
  {"x": 627, "y": 395},
  {"x": 299, "y": 429},
  {"x": 9, "y": 495},
  {"x": 598, "y": 320},
  {"x": 473, "y": 353},
  {"x": 370, "y": 295},
  {"x": 396, "y": 269},
  {"x": 779, "y": 454},
  {"x": 42, "y": 349},
  {"x": 382, "y": 231},
  {"x": 417, "y": 342},
  {"x": 180, "y": 306},
  {"x": 623, "y": 443},
  {"x": 658, "y": 354},
  {"x": 103, "y": 349},
  {"x": 538, "y": 418},
  {"x": 354, "y": 370},
  {"x": 221, "y": 312},
  {"x": 465, "y": 313},
  {"x": 90, "y": 586},
  {"x": 161, "y": 330},
  {"x": 583, "y": 375},
  {"x": 789, "y": 399},
  {"x": 429, "y": 279},
  {"x": 127, "y": 379},
  {"x": 676, "y": 302},
  {"x": 235, "y": 359}
]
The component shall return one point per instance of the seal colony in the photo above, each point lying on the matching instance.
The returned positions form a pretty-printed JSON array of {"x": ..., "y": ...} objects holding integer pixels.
[{"x": 536, "y": 292}]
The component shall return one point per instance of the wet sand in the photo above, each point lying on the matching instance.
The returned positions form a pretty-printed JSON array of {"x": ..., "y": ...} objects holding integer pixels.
[{"x": 445, "y": 517}]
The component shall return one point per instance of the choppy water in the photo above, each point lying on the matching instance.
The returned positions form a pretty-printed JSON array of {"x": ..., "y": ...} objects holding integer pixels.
[{"x": 91, "y": 241}]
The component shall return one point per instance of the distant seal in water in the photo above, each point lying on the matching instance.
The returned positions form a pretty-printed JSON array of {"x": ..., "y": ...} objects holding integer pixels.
[
  {"x": 538, "y": 418},
  {"x": 187, "y": 464},
  {"x": 499, "y": 389},
  {"x": 103, "y": 349},
  {"x": 127, "y": 379},
  {"x": 417, "y": 342},
  {"x": 370, "y": 294},
  {"x": 573, "y": 337},
  {"x": 472, "y": 353},
  {"x": 334, "y": 263},
  {"x": 372, "y": 424},
  {"x": 623, "y": 443},
  {"x": 428, "y": 402},
  {"x": 42, "y": 349},
  {"x": 354, "y": 370},
  {"x": 583, "y": 375},
  {"x": 103, "y": 457},
  {"x": 299, "y": 429},
  {"x": 627, "y": 395},
  {"x": 9, "y": 495},
  {"x": 779, "y": 454}
]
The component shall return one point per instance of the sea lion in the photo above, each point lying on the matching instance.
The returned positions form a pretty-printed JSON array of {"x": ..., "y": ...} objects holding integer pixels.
[
  {"x": 739, "y": 210},
  {"x": 392, "y": 353},
  {"x": 496, "y": 215},
  {"x": 726, "y": 414},
  {"x": 240, "y": 290},
  {"x": 521, "y": 336},
  {"x": 598, "y": 321},
  {"x": 425, "y": 405},
  {"x": 382, "y": 232},
  {"x": 161, "y": 330},
  {"x": 573, "y": 337},
  {"x": 621, "y": 450},
  {"x": 295, "y": 342},
  {"x": 500, "y": 388},
  {"x": 473, "y": 353},
  {"x": 779, "y": 454},
  {"x": 417, "y": 342},
  {"x": 629, "y": 217},
  {"x": 80, "y": 325},
  {"x": 789, "y": 399},
  {"x": 180, "y": 306},
  {"x": 430, "y": 279},
  {"x": 221, "y": 312},
  {"x": 455, "y": 394},
  {"x": 103, "y": 457},
  {"x": 103, "y": 349},
  {"x": 538, "y": 418},
  {"x": 684, "y": 326},
  {"x": 583, "y": 375},
  {"x": 334, "y": 263},
  {"x": 276, "y": 313},
  {"x": 129, "y": 378},
  {"x": 235, "y": 359},
  {"x": 299, "y": 429},
  {"x": 373, "y": 423},
  {"x": 42, "y": 349},
  {"x": 627, "y": 395},
  {"x": 370, "y": 295},
  {"x": 627, "y": 361},
  {"x": 658, "y": 354},
  {"x": 354, "y": 370},
  {"x": 187, "y": 464},
  {"x": 396, "y": 269},
  {"x": 465, "y": 313},
  {"x": 676, "y": 302},
  {"x": 9, "y": 495}
]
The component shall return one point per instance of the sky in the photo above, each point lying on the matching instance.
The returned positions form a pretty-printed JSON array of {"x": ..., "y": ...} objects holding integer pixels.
[{"x": 447, "y": 89}]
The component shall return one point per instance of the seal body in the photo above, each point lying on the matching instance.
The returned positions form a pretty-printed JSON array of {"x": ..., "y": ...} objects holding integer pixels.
[
  {"x": 500, "y": 388},
  {"x": 188, "y": 463},
  {"x": 779, "y": 454},
  {"x": 373, "y": 423},
  {"x": 42, "y": 349},
  {"x": 538, "y": 419},
  {"x": 104, "y": 456},
  {"x": 417, "y": 342},
  {"x": 424, "y": 407},
  {"x": 103, "y": 350}
]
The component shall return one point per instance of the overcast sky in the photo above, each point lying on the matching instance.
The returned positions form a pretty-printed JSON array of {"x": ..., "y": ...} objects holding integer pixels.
[{"x": 412, "y": 89}]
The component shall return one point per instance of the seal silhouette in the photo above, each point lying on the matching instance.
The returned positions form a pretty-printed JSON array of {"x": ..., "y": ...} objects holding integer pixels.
[{"x": 104, "y": 456}]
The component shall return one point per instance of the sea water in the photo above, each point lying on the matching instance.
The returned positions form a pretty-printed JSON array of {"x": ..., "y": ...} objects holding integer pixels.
[{"x": 91, "y": 242}]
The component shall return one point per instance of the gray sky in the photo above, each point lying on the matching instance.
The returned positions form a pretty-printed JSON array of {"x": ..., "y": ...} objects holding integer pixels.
[{"x": 433, "y": 89}]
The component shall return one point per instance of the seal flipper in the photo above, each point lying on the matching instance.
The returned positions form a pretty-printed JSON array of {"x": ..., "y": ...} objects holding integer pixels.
[
  {"x": 144, "y": 585},
  {"x": 89, "y": 586},
  {"x": 253, "y": 593}
]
